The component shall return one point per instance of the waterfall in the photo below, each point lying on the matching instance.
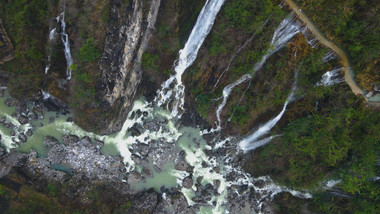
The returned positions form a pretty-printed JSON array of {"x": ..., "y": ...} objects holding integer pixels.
[
  {"x": 52, "y": 34},
  {"x": 237, "y": 52},
  {"x": 259, "y": 143},
  {"x": 287, "y": 29},
  {"x": 45, "y": 95},
  {"x": 284, "y": 32},
  {"x": 252, "y": 141},
  {"x": 330, "y": 78},
  {"x": 226, "y": 93},
  {"x": 187, "y": 56},
  {"x": 310, "y": 38},
  {"x": 66, "y": 42},
  {"x": 329, "y": 56}
]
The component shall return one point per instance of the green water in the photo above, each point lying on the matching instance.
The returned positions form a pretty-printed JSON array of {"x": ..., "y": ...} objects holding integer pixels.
[
  {"x": 110, "y": 149},
  {"x": 186, "y": 138},
  {"x": 159, "y": 179},
  {"x": 36, "y": 141}
]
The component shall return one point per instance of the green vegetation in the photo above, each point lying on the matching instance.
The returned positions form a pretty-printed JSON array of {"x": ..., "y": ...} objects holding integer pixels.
[
  {"x": 149, "y": 61},
  {"x": 352, "y": 24},
  {"x": 341, "y": 139},
  {"x": 26, "y": 23},
  {"x": 89, "y": 52},
  {"x": 248, "y": 14},
  {"x": 56, "y": 198}
]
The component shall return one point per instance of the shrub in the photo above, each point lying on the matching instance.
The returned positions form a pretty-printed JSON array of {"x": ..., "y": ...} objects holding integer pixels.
[{"x": 89, "y": 52}]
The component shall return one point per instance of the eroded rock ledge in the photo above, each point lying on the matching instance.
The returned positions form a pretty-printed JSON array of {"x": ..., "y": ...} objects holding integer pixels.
[
  {"x": 121, "y": 58},
  {"x": 6, "y": 47}
]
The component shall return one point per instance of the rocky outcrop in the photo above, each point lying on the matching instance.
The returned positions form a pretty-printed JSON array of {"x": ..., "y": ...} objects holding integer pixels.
[
  {"x": 6, "y": 47},
  {"x": 121, "y": 58}
]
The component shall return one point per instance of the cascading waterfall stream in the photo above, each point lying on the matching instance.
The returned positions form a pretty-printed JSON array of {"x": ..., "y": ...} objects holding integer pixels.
[
  {"x": 331, "y": 78},
  {"x": 329, "y": 56},
  {"x": 287, "y": 29},
  {"x": 187, "y": 139},
  {"x": 66, "y": 43},
  {"x": 226, "y": 93},
  {"x": 187, "y": 56},
  {"x": 252, "y": 141},
  {"x": 237, "y": 53},
  {"x": 52, "y": 35}
]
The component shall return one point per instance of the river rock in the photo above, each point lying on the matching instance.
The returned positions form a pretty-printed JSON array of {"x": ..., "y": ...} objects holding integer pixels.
[
  {"x": 23, "y": 119},
  {"x": 187, "y": 182},
  {"x": 145, "y": 202},
  {"x": 182, "y": 165},
  {"x": 50, "y": 142},
  {"x": 136, "y": 158},
  {"x": 22, "y": 137},
  {"x": 135, "y": 130},
  {"x": 29, "y": 132},
  {"x": 147, "y": 173},
  {"x": 33, "y": 116},
  {"x": 134, "y": 178},
  {"x": 216, "y": 183},
  {"x": 143, "y": 149},
  {"x": 57, "y": 154},
  {"x": 99, "y": 143},
  {"x": 86, "y": 141},
  {"x": 69, "y": 139},
  {"x": 152, "y": 126},
  {"x": 199, "y": 179}
]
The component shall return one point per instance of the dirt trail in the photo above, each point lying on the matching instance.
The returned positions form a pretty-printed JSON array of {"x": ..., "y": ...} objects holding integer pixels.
[{"x": 346, "y": 63}]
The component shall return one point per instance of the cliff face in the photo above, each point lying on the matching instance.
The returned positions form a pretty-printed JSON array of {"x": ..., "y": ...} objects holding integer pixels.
[
  {"x": 120, "y": 62},
  {"x": 6, "y": 47}
]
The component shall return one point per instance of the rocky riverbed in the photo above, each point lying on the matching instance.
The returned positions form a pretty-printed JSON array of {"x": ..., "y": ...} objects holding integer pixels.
[{"x": 154, "y": 162}]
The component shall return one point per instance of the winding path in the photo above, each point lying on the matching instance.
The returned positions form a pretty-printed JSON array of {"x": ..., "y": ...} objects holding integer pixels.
[{"x": 346, "y": 63}]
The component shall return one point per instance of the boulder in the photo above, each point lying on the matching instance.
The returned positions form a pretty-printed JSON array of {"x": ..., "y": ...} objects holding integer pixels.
[
  {"x": 22, "y": 137},
  {"x": 69, "y": 139},
  {"x": 134, "y": 178},
  {"x": 50, "y": 142},
  {"x": 23, "y": 119},
  {"x": 182, "y": 165},
  {"x": 187, "y": 182}
]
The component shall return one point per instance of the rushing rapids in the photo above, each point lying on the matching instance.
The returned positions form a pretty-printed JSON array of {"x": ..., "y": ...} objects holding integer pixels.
[{"x": 212, "y": 162}]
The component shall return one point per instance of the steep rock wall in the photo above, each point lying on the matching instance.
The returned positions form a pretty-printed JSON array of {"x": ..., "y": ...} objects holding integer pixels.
[{"x": 120, "y": 63}]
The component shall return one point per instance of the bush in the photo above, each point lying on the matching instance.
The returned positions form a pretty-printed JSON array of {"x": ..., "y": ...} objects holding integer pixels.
[{"x": 89, "y": 52}]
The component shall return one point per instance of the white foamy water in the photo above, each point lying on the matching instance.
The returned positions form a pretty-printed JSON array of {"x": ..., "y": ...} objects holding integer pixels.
[
  {"x": 331, "y": 78},
  {"x": 237, "y": 53},
  {"x": 52, "y": 35},
  {"x": 253, "y": 141},
  {"x": 66, "y": 43},
  {"x": 226, "y": 93},
  {"x": 197, "y": 152},
  {"x": 287, "y": 29},
  {"x": 175, "y": 94},
  {"x": 329, "y": 56}
]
